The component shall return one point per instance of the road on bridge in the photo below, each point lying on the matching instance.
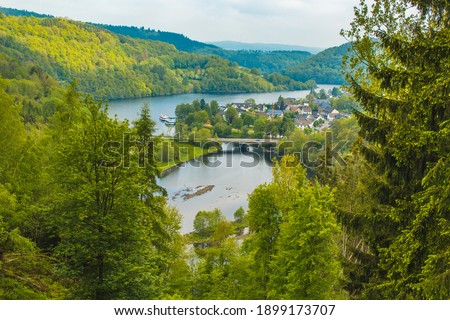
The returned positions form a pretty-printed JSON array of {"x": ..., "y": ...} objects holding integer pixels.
[{"x": 246, "y": 141}]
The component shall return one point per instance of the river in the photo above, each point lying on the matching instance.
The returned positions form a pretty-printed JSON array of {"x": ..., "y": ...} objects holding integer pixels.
[{"x": 233, "y": 175}]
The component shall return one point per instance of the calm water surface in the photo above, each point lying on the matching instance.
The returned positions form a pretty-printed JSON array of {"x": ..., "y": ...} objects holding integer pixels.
[{"x": 233, "y": 175}]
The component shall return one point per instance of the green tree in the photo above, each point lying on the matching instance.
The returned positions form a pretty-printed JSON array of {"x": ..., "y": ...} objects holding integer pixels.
[
  {"x": 237, "y": 123},
  {"x": 344, "y": 103},
  {"x": 25, "y": 271},
  {"x": 215, "y": 108},
  {"x": 260, "y": 127},
  {"x": 205, "y": 222},
  {"x": 230, "y": 114},
  {"x": 218, "y": 118},
  {"x": 248, "y": 119},
  {"x": 12, "y": 135},
  {"x": 264, "y": 220},
  {"x": 145, "y": 126},
  {"x": 306, "y": 264},
  {"x": 203, "y": 135},
  {"x": 251, "y": 101},
  {"x": 104, "y": 223},
  {"x": 287, "y": 125},
  {"x": 239, "y": 215},
  {"x": 336, "y": 92},
  {"x": 404, "y": 134},
  {"x": 222, "y": 129}
]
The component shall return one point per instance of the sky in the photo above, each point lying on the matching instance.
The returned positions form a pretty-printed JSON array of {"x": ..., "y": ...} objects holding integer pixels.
[{"x": 313, "y": 23}]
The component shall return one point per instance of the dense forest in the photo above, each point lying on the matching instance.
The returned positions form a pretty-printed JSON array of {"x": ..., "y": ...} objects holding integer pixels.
[
  {"x": 298, "y": 65},
  {"x": 111, "y": 66},
  {"x": 324, "y": 67},
  {"x": 82, "y": 215}
]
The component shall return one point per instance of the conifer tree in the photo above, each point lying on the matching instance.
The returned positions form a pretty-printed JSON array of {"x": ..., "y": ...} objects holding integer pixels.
[{"x": 399, "y": 74}]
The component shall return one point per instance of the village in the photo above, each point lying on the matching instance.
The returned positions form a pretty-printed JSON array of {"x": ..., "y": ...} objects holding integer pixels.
[{"x": 316, "y": 112}]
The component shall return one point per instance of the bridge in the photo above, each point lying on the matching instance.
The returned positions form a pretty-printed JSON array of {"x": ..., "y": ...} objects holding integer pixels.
[
  {"x": 248, "y": 141},
  {"x": 245, "y": 143}
]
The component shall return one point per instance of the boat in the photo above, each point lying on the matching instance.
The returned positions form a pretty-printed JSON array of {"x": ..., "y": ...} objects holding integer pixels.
[
  {"x": 171, "y": 121},
  {"x": 163, "y": 117}
]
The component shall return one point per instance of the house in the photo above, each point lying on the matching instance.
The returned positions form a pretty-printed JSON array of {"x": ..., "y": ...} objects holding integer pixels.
[
  {"x": 318, "y": 117},
  {"x": 306, "y": 110},
  {"x": 274, "y": 113},
  {"x": 261, "y": 108},
  {"x": 323, "y": 103},
  {"x": 342, "y": 116},
  {"x": 293, "y": 108},
  {"x": 301, "y": 123},
  {"x": 333, "y": 114},
  {"x": 289, "y": 101},
  {"x": 302, "y": 116},
  {"x": 242, "y": 106},
  {"x": 325, "y": 111}
]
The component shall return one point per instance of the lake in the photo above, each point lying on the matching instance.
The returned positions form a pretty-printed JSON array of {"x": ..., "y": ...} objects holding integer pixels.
[
  {"x": 130, "y": 108},
  {"x": 232, "y": 176}
]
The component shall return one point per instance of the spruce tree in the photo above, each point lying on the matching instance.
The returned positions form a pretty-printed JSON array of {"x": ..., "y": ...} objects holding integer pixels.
[{"x": 399, "y": 74}]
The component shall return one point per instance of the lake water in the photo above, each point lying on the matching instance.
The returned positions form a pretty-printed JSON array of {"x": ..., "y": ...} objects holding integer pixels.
[
  {"x": 232, "y": 175},
  {"x": 130, "y": 108}
]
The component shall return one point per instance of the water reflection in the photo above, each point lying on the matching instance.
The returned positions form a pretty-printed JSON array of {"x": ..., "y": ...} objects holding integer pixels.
[{"x": 232, "y": 174}]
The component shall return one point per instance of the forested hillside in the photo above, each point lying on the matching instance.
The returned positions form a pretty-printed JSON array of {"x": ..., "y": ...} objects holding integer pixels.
[
  {"x": 266, "y": 61},
  {"x": 181, "y": 42},
  {"x": 324, "y": 67},
  {"x": 111, "y": 66}
]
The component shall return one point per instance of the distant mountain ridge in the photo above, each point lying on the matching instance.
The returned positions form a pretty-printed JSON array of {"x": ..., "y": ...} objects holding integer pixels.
[
  {"x": 180, "y": 41},
  {"x": 324, "y": 67},
  {"x": 236, "y": 45},
  {"x": 23, "y": 13}
]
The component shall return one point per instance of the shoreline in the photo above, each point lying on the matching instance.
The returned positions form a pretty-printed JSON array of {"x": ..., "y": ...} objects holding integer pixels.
[
  {"x": 217, "y": 93},
  {"x": 168, "y": 170}
]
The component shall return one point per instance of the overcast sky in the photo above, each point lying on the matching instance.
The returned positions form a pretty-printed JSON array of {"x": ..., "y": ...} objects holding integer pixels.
[{"x": 314, "y": 23}]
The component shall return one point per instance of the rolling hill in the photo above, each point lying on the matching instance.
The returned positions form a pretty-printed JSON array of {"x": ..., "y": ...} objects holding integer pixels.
[
  {"x": 173, "y": 69},
  {"x": 236, "y": 45},
  {"x": 112, "y": 66},
  {"x": 324, "y": 67}
]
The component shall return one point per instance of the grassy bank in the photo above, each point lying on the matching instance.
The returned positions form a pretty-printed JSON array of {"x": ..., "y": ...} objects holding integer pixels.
[{"x": 171, "y": 153}]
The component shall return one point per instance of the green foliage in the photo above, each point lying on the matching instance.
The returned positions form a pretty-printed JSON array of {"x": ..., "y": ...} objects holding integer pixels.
[
  {"x": 239, "y": 215},
  {"x": 230, "y": 114},
  {"x": 203, "y": 135},
  {"x": 260, "y": 127},
  {"x": 336, "y": 92},
  {"x": 205, "y": 222},
  {"x": 399, "y": 75},
  {"x": 345, "y": 103},
  {"x": 324, "y": 67},
  {"x": 306, "y": 264},
  {"x": 180, "y": 41},
  {"x": 103, "y": 225},
  {"x": 113, "y": 66},
  {"x": 293, "y": 237}
]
